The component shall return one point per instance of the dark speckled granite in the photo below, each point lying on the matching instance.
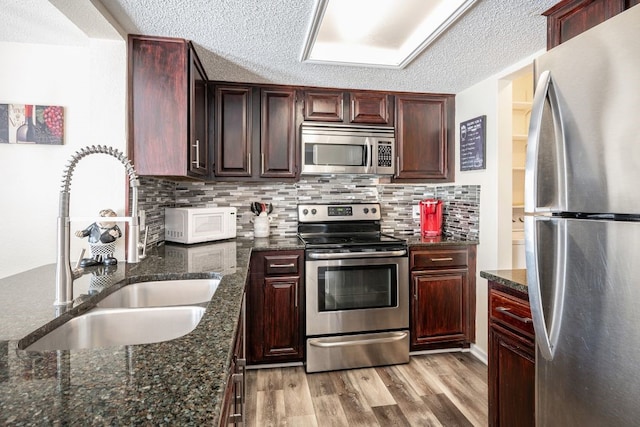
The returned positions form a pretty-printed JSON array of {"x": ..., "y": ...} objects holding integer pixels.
[
  {"x": 418, "y": 241},
  {"x": 515, "y": 279},
  {"x": 178, "y": 382}
]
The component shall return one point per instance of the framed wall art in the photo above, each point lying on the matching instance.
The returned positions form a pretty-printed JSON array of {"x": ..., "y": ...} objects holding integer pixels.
[
  {"x": 472, "y": 144},
  {"x": 31, "y": 124}
]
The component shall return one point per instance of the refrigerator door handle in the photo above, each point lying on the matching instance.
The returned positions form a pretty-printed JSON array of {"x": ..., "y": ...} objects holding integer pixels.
[
  {"x": 546, "y": 338},
  {"x": 545, "y": 91}
]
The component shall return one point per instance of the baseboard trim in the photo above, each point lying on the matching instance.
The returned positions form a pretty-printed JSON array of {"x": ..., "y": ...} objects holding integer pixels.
[{"x": 479, "y": 354}]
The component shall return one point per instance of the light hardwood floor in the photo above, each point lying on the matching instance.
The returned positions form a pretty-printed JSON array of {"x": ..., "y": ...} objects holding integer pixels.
[{"x": 446, "y": 389}]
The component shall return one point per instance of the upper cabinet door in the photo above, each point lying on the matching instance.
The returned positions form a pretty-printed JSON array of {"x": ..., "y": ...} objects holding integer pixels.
[
  {"x": 158, "y": 105},
  {"x": 233, "y": 130},
  {"x": 324, "y": 106},
  {"x": 569, "y": 18},
  {"x": 425, "y": 137},
  {"x": 278, "y": 142},
  {"x": 199, "y": 162},
  {"x": 371, "y": 108}
]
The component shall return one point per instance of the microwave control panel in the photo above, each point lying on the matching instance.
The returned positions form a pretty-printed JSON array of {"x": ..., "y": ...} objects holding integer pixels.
[{"x": 385, "y": 154}]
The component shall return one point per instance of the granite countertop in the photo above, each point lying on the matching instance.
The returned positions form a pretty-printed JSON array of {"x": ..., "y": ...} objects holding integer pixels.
[
  {"x": 177, "y": 382},
  {"x": 419, "y": 241},
  {"x": 514, "y": 279}
]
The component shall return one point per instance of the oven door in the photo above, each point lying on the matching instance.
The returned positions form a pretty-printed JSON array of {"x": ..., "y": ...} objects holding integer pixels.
[{"x": 357, "y": 295}]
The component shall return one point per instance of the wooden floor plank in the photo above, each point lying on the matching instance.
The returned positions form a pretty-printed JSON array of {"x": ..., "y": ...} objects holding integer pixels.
[
  {"x": 302, "y": 421},
  {"x": 371, "y": 387},
  {"x": 409, "y": 401},
  {"x": 356, "y": 408},
  {"x": 320, "y": 384},
  {"x": 468, "y": 395},
  {"x": 271, "y": 404},
  {"x": 269, "y": 379},
  {"x": 446, "y": 412},
  {"x": 390, "y": 415},
  {"x": 297, "y": 398},
  {"x": 414, "y": 374},
  {"x": 397, "y": 385},
  {"x": 329, "y": 411},
  {"x": 441, "y": 390}
]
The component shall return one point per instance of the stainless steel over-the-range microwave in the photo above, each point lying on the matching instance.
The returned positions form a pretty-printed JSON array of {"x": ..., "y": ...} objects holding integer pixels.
[{"x": 347, "y": 149}]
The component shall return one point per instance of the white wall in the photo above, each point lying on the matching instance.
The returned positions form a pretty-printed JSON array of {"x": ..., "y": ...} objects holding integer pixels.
[
  {"x": 90, "y": 83},
  {"x": 491, "y": 97}
]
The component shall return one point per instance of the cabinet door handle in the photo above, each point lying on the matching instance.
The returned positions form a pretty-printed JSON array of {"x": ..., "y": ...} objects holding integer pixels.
[
  {"x": 282, "y": 265},
  {"x": 237, "y": 378},
  {"x": 249, "y": 162},
  {"x": 507, "y": 311},
  {"x": 262, "y": 163},
  {"x": 441, "y": 259},
  {"x": 196, "y": 162},
  {"x": 296, "y": 295},
  {"x": 397, "y": 174}
]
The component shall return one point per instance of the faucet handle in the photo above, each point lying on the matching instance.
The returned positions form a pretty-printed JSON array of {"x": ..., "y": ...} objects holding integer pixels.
[{"x": 143, "y": 245}]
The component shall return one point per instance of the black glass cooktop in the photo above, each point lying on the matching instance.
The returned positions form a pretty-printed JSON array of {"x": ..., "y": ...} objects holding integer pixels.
[{"x": 339, "y": 241}]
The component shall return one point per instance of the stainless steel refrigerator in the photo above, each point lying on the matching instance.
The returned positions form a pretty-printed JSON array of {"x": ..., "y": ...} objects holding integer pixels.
[{"x": 582, "y": 229}]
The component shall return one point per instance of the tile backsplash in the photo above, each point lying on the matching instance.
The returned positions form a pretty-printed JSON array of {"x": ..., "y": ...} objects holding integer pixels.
[{"x": 460, "y": 214}]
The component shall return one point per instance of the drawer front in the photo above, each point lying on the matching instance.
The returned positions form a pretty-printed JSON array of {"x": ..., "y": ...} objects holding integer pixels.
[
  {"x": 439, "y": 258},
  {"x": 511, "y": 311},
  {"x": 281, "y": 264}
]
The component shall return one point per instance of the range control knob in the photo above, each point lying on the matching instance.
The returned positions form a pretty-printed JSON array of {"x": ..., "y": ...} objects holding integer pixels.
[
  {"x": 313, "y": 211},
  {"x": 373, "y": 210},
  {"x": 305, "y": 211},
  {"x": 366, "y": 210}
]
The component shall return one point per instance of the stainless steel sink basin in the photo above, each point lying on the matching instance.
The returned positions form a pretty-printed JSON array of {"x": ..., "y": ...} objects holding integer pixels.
[
  {"x": 162, "y": 293},
  {"x": 125, "y": 326}
]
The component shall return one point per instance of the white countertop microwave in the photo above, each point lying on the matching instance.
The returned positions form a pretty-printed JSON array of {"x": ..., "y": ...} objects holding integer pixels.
[
  {"x": 195, "y": 225},
  {"x": 347, "y": 149}
]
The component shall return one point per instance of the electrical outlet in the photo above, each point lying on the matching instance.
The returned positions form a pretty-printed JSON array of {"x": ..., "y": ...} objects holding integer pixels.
[{"x": 415, "y": 212}]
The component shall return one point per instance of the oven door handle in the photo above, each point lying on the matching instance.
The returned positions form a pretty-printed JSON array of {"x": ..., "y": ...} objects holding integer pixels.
[
  {"x": 395, "y": 336},
  {"x": 343, "y": 255}
]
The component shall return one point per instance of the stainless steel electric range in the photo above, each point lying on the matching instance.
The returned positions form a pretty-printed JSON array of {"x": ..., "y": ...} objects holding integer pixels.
[{"x": 357, "y": 287}]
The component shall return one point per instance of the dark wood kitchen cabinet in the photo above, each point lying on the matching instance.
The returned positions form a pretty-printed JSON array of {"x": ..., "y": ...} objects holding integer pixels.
[
  {"x": 569, "y": 18},
  {"x": 233, "y": 112},
  {"x": 511, "y": 358},
  {"x": 425, "y": 137},
  {"x": 168, "y": 101},
  {"x": 255, "y": 132},
  {"x": 343, "y": 107},
  {"x": 275, "y": 307},
  {"x": 278, "y": 138},
  {"x": 442, "y": 297},
  {"x": 233, "y": 404}
]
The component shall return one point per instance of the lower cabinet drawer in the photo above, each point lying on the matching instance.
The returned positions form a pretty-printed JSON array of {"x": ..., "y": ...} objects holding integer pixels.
[
  {"x": 281, "y": 264},
  {"x": 439, "y": 258},
  {"x": 357, "y": 351},
  {"x": 511, "y": 311}
]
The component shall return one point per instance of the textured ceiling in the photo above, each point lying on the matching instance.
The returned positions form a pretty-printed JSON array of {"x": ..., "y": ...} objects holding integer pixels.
[{"x": 261, "y": 41}]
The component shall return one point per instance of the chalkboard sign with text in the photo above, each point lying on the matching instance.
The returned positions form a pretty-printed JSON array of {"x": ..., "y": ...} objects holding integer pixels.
[{"x": 472, "y": 144}]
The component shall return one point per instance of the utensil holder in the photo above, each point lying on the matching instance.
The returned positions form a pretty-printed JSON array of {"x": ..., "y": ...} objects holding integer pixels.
[{"x": 261, "y": 225}]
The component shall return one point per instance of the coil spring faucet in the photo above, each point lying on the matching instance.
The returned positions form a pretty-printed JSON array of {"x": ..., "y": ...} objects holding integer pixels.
[{"x": 64, "y": 274}]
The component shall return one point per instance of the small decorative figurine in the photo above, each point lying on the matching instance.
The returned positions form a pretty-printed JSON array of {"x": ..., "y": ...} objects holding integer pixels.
[{"x": 102, "y": 240}]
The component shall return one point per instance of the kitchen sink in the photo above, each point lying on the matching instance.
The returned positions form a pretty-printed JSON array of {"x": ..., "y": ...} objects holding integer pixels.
[
  {"x": 105, "y": 327},
  {"x": 162, "y": 293}
]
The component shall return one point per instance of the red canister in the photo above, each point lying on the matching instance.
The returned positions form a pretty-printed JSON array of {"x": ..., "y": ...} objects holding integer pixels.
[{"x": 430, "y": 217}]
